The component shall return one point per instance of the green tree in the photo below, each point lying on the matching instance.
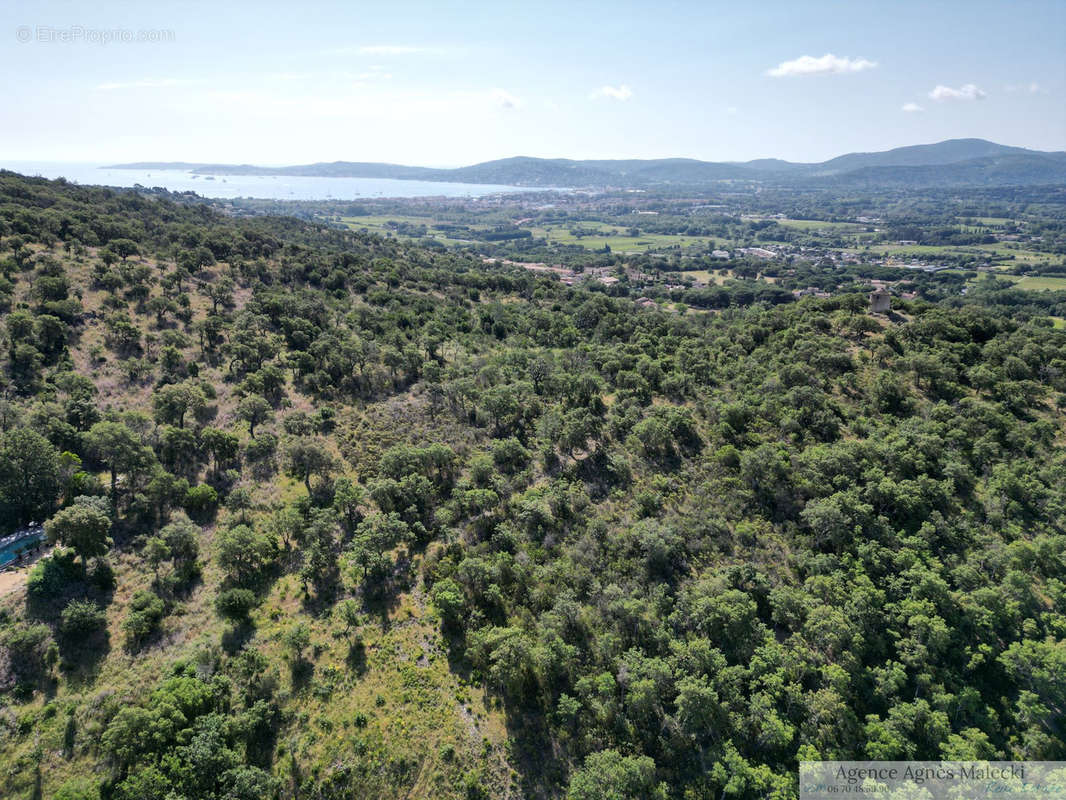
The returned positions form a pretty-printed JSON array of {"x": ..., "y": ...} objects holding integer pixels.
[
  {"x": 297, "y": 639},
  {"x": 82, "y": 618},
  {"x": 83, "y": 528},
  {"x": 347, "y": 498},
  {"x": 120, "y": 449},
  {"x": 307, "y": 457},
  {"x": 29, "y": 476},
  {"x": 348, "y": 612},
  {"x": 146, "y": 612},
  {"x": 235, "y": 604},
  {"x": 173, "y": 401},
  {"x": 156, "y": 552},
  {"x": 254, "y": 410},
  {"x": 245, "y": 554},
  {"x": 222, "y": 446},
  {"x": 608, "y": 775}
]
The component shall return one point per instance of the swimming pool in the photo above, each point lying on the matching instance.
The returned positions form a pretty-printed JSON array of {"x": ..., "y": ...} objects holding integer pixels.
[{"x": 11, "y": 546}]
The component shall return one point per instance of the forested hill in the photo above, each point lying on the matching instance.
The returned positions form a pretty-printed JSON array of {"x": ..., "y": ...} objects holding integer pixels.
[
  {"x": 339, "y": 517},
  {"x": 956, "y": 162}
]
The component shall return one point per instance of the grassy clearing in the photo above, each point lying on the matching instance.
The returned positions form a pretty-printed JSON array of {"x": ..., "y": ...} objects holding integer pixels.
[
  {"x": 389, "y": 695},
  {"x": 615, "y": 237},
  {"x": 381, "y": 225},
  {"x": 820, "y": 225},
  {"x": 912, "y": 249},
  {"x": 708, "y": 276},
  {"x": 1007, "y": 250},
  {"x": 1037, "y": 283},
  {"x": 999, "y": 250},
  {"x": 605, "y": 234},
  {"x": 993, "y": 222}
]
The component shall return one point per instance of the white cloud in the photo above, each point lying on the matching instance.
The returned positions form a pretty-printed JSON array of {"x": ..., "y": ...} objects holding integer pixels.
[
  {"x": 389, "y": 50},
  {"x": 504, "y": 99},
  {"x": 967, "y": 92},
  {"x": 373, "y": 75},
  {"x": 621, "y": 92},
  {"x": 828, "y": 64},
  {"x": 145, "y": 83},
  {"x": 400, "y": 50},
  {"x": 1026, "y": 88},
  {"x": 911, "y": 108}
]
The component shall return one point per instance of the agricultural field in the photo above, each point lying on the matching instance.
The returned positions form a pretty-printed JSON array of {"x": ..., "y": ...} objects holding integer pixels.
[
  {"x": 1037, "y": 283},
  {"x": 602, "y": 234},
  {"x": 1010, "y": 251},
  {"x": 615, "y": 237},
  {"x": 820, "y": 225},
  {"x": 708, "y": 276},
  {"x": 992, "y": 251},
  {"x": 386, "y": 226},
  {"x": 993, "y": 222}
]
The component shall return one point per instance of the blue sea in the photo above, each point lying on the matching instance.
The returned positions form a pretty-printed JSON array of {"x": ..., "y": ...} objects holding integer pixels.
[{"x": 268, "y": 187}]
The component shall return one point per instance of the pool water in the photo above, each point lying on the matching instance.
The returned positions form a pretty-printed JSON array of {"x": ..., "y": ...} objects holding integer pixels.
[{"x": 10, "y": 550}]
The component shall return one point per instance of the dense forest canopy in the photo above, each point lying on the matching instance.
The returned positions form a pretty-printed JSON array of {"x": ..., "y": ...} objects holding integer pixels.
[{"x": 335, "y": 515}]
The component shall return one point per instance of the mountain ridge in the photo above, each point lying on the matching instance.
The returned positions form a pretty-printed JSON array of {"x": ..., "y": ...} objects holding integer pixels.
[{"x": 950, "y": 162}]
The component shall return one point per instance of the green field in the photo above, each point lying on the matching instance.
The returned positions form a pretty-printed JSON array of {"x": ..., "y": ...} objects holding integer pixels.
[
  {"x": 1037, "y": 283},
  {"x": 998, "y": 250},
  {"x": 615, "y": 237},
  {"x": 1025, "y": 256},
  {"x": 379, "y": 224},
  {"x": 380, "y": 221},
  {"x": 819, "y": 225},
  {"x": 707, "y": 276}
]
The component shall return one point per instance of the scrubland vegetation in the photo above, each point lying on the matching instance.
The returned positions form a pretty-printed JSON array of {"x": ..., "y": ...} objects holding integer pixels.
[{"x": 341, "y": 516}]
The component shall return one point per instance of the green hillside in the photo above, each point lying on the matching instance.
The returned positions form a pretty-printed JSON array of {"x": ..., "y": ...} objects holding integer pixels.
[
  {"x": 956, "y": 162},
  {"x": 336, "y": 516}
]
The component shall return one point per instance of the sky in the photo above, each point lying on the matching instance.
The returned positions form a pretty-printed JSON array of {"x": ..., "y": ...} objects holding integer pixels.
[{"x": 445, "y": 84}]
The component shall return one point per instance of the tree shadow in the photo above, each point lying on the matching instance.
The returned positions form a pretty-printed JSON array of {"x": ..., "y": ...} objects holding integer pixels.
[
  {"x": 261, "y": 740},
  {"x": 540, "y": 762},
  {"x": 320, "y": 602},
  {"x": 356, "y": 658},
  {"x": 541, "y": 769},
  {"x": 381, "y": 599},
  {"x": 301, "y": 671},
  {"x": 458, "y": 663},
  {"x": 134, "y": 644},
  {"x": 380, "y": 606},
  {"x": 181, "y": 586},
  {"x": 236, "y": 636},
  {"x": 81, "y": 657}
]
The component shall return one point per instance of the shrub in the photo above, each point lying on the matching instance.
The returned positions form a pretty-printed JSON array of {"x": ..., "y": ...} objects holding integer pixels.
[
  {"x": 81, "y": 618},
  {"x": 510, "y": 455},
  {"x": 201, "y": 501},
  {"x": 235, "y": 604},
  {"x": 146, "y": 612},
  {"x": 77, "y": 789},
  {"x": 262, "y": 447},
  {"x": 50, "y": 576}
]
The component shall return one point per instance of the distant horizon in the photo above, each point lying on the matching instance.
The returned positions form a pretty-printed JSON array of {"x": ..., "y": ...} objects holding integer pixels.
[{"x": 457, "y": 165}]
